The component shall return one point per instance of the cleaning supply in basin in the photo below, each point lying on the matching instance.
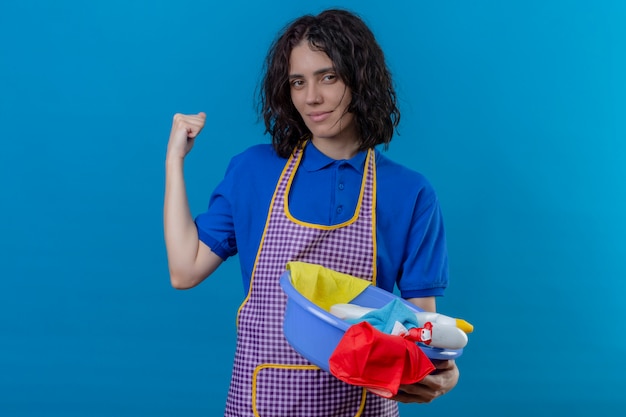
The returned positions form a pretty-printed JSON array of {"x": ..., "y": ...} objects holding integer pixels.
[
  {"x": 444, "y": 330},
  {"x": 348, "y": 311},
  {"x": 380, "y": 362}
]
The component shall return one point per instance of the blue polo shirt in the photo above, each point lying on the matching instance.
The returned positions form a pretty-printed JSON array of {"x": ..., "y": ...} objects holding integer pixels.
[{"x": 410, "y": 239}]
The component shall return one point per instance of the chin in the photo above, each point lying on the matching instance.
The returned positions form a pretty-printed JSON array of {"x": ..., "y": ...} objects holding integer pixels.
[{"x": 324, "y": 134}]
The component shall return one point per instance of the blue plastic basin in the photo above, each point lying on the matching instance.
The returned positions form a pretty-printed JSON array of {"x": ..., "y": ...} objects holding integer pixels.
[{"x": 314, "y": 333}]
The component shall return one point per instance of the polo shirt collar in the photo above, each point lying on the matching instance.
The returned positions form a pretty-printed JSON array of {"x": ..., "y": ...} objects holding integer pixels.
[{"x": 315, "y": 160}]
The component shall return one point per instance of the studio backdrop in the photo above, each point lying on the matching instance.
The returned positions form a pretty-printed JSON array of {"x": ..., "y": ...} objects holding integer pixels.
[{"x": 514, "y": 110}]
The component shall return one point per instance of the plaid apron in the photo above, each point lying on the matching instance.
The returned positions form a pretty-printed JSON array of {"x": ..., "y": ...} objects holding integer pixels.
[{"x": 270, "y": 379}]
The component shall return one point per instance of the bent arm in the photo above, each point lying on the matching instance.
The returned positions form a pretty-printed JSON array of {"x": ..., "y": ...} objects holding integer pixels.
[{"x": 190, "y": 261}]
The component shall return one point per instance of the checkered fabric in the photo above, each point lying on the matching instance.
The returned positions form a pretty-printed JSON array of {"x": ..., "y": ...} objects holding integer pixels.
[{"x": 269, "y": 378}]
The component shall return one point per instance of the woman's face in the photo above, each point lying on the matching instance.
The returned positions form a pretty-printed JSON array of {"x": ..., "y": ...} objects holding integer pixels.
[{"x": 321, "y": 98}]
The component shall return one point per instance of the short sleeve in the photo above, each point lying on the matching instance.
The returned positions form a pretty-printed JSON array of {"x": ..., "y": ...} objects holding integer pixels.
[
  {"x": 425, "y": 266},
  {"x": 216, "y": 226}
]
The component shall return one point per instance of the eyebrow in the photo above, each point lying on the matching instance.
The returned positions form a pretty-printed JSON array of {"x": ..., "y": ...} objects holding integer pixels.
[{"x": 317, "y": 72}]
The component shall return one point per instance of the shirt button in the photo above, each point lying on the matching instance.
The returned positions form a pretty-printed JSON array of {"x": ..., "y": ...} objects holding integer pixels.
[
  {"x": 341, "y": 186},
  {"x": 339, "y": 209}
]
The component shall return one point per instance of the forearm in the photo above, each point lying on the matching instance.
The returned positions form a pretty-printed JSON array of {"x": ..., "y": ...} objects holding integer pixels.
[
  {"x": 181, "y": 235},
  {"x": 440, "y": 381},
  {"x": 426, "y": 303}
]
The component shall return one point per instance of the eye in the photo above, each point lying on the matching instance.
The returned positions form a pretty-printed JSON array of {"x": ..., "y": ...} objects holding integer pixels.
[
  {"x": 297, "y": 83},
  {"x": 329, "y": 78}
]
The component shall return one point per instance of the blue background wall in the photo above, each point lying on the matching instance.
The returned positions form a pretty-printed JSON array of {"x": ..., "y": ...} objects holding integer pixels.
[{"x": 514, "y": 110}]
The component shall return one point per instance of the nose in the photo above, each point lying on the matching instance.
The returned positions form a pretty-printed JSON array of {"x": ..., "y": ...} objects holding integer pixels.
[{"x": 313, "y": 95}]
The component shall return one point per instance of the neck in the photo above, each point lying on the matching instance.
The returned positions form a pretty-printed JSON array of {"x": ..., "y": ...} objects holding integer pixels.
[{"x": 336, "y": 150}]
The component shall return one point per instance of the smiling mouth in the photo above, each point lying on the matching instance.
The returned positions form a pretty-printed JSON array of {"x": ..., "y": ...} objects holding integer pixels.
[{"x": 320, "y": 116}]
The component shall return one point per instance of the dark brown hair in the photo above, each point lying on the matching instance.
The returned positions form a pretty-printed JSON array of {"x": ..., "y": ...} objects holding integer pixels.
[{"x": 360, "y": 64}]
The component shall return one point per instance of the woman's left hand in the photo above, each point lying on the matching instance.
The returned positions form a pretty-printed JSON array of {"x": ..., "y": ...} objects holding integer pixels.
[{"x": 436, "y": 384}]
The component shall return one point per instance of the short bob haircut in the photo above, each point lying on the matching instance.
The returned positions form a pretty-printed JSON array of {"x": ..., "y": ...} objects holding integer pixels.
[{"x": 360, "y": 64}]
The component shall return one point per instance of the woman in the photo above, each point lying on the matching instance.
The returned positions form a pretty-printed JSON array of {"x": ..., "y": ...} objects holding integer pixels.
[{"x": 321, "y": 193}]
